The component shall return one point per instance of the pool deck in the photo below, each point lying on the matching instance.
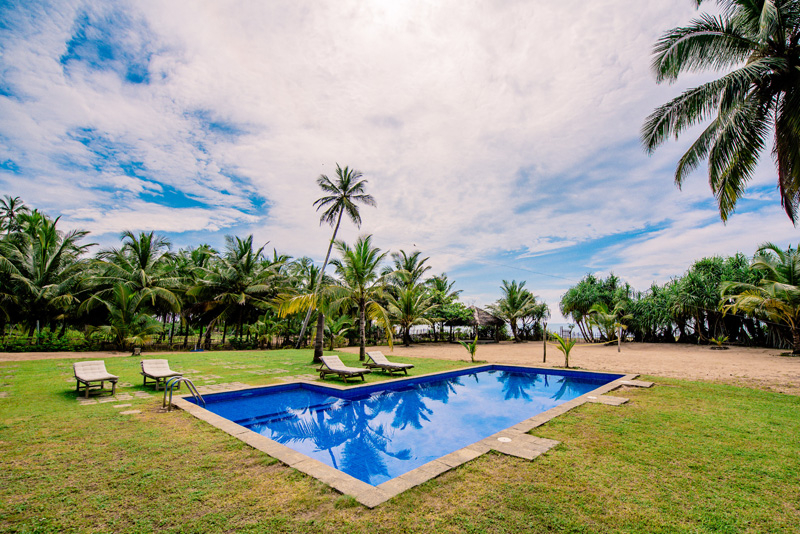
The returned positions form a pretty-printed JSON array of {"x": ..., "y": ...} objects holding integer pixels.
[{"x": 514, "y": 441}]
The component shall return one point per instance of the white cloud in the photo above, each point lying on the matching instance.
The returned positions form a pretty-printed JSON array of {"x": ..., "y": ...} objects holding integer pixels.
[{"x": 482, "y": 128}]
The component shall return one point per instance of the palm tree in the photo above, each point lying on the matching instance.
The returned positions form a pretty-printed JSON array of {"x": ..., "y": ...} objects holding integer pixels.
[
  {"x": 128, "y": 320},
  {"x": 777, "y": 296},
  {"x": 337, "y": 327},
  {"x": 144, "y": 262},
  {"x": 759, "y": 40},
  {"x": 360, "y": 285},
  {"x": 442, "y": 294},
  {"x": 409, "y": 309},
  {"x": 514, "y": 304},
  {"x": 10, "y": 209},
  {"x": 44, "y": 267},
  {"x": 236, "y": 285},
  {"x": 343, "y": 195},
  {"x": 408, "y": 268}
]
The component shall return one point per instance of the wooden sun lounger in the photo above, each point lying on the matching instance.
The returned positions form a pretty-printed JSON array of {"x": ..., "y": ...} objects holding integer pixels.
[
  {"x": 332, "y": 365},
  {"x": 158, "y": 371},
  {"x": 89, "y": 373},
  {"x": 379, "y": 361}
]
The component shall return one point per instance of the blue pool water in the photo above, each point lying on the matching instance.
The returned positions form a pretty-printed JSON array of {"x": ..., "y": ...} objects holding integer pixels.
[{"x": 378, "y": 432}]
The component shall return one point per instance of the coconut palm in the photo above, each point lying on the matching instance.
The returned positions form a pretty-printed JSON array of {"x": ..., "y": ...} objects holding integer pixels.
[
  {"x": 361, "y": 286},
  {"x": 10, "y": 210},
  {"x": 758, "y": 39},
  {"x": 408, "y": 268},
  {"x": 442, "y": 294},
  {"x": 143, "y": 262},
  {"x": 236, "y": 285},
  {"x": 514, "y": 304},
  {"x": 409, "y": 308},
  {"x": 337, "y": 328},
  {"x": 777, "y": 296},
  {"x": 128, "y": 321},
  {"x": 343, "y": 196},
  {"x": 44, "y": 268}
]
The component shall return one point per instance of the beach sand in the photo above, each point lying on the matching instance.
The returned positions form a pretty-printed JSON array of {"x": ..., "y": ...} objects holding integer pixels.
[{"x": 760, "y": 368}]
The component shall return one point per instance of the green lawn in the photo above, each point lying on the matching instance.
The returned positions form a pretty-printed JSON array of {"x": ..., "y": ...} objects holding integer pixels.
[{"x": 680, "y": 457}]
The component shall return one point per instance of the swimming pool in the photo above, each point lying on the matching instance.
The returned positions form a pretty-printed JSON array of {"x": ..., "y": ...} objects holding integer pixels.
[{"x": 378, "y": 432}]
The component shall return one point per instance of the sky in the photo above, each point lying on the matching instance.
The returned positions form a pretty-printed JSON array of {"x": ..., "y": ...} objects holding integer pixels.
[{"x": 499, "y": 138}]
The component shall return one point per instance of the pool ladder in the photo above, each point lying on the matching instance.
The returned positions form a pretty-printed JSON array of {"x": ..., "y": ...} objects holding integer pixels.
[{"x": 170, "y": 385}]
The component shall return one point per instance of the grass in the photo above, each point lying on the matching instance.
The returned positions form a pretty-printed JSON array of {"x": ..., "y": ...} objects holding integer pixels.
[{"x": 681, "y": 457}]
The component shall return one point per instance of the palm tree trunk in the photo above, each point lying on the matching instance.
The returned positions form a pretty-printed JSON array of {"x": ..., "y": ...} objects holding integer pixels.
[
  {"x": 362, "y": 336},
  {"x": 319, "y": 339},
  {"x": 407, "y": 336},
  {"x": 796, "y": 339},
  {"x": 319, "y": 280},
  {"x": 224, "y": 331}
]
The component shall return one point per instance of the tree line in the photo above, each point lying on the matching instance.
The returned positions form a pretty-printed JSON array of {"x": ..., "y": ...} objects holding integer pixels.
[
  {"x": 142, "y": 291},
  {"x": 754, "y": 302}
]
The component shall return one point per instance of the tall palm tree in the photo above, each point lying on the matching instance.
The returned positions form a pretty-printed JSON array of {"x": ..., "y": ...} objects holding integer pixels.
[
  {"x": 343, "y": 196},
  {"x": 10, "y": 209},
  {"x": 361, "y": 285},
  {"x": 759, "y": 40},
  {"x": 514, "y": 304},
  {"x": 777, "y": 296}
]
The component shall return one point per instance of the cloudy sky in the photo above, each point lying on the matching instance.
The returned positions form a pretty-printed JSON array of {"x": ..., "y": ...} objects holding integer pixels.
[{"x": 500, "y": 138}]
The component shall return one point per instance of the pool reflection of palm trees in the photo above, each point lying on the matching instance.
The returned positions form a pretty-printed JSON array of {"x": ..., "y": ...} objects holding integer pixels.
[
  {"x": 516, "y": 385},
  {"x": 346, "y": 430}
]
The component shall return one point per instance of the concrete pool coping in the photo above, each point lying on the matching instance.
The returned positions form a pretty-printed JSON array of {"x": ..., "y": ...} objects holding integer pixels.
[{"x": 514, "y": 440}]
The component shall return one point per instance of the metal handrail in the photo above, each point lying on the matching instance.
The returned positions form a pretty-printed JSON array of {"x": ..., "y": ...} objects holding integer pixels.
[{"x": 170, "y": 385}]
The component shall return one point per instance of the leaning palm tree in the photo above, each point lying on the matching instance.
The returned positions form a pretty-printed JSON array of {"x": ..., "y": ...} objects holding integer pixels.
[
  {"x": 758, "y": 39},
  {"x": 361, "y": 285},
  {"x": 343, "y": 195},
  {"x": 777, "y": 296}
]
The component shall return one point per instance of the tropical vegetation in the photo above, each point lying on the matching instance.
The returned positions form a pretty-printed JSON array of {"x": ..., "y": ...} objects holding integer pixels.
[{"x": 756, "y": 43}]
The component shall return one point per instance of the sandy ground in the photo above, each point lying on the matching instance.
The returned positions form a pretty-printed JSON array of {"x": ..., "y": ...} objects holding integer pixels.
[{"x": 761, "y": 368}]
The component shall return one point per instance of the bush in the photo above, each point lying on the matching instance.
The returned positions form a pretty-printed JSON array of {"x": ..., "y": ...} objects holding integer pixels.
[{"x": 46, "y": 341}]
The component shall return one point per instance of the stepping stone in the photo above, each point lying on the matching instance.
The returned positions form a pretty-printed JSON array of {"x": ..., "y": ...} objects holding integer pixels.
[
  {"x": 637, "y": 383},
  {"x": 210, "y": 382},
  {"x": 107, "y": 399},
  {"x": 86, "y": 402},
  {"x": 142, "y": 395},
  {"x": 130, "y": 412},
  {"x": 124, "y": 385},
  {"x": 124, "y": 396},
  {"x": 4, "y": 394},
  {"x": 122, "y": 405},
  {"x": 607, "y": 399}
]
